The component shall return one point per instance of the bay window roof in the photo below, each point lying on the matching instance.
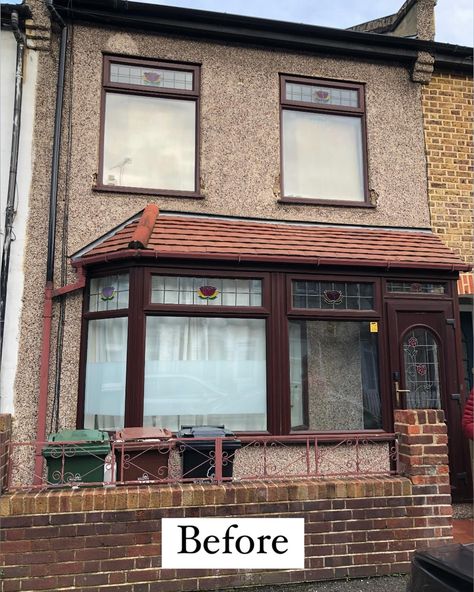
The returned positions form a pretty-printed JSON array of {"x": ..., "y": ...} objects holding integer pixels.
[{"x": 150, "y": 234}]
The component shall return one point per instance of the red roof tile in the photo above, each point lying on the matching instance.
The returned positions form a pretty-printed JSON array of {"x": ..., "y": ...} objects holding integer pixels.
[{"x": 216, "y": 238}]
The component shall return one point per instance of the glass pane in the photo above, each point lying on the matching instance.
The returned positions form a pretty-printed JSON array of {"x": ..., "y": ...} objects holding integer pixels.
[
  {"x": 109, "y": 292},
  {"x": 420, "y": 354},
  {"x": 333, "y": 295},
  {"x": 149, "y": 142},
  {"x": 322, "y": 95},
  {"x": 334, "y": 377},
  {"x": 201, "y": 371},
  {"x": 104, "y": 406},
  {"x": 206, "y": 291},
  {"x": 417, "y": 287},
  {"x": 322, "y": 156},
  {"x": 154, "y": 77}
]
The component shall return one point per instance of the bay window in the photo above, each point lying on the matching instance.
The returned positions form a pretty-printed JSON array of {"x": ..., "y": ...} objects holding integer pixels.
[{"x": 261, "y": 352}]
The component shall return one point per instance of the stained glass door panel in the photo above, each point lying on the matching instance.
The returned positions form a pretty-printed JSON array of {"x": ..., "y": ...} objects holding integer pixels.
[{"x": 422, "y": 372}]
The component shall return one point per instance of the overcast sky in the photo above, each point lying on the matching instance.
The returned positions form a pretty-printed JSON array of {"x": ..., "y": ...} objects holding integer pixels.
[{"x": 454, "y": 18}]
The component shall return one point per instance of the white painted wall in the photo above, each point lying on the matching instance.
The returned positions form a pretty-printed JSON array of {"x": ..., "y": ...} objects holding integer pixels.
[{"x": 16, "y": 275}]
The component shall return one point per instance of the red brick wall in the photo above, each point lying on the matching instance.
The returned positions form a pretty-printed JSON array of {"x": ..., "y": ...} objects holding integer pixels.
[{"x": 109, "y": 539}]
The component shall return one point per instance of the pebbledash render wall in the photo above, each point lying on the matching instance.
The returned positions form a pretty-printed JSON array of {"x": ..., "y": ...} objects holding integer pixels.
[
  {"x": 448, "y": 114},
  {"x": 110, "y": 538},
  {"x": 240, "y": 166}
]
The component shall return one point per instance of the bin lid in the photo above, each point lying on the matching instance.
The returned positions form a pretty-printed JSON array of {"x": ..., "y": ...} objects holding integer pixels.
[
  {"x": 208, "y": 431},
  {"x": 143, "y": 434},
  {"x": 79, "y": 436},
  {"x": 94, "y": 442}
]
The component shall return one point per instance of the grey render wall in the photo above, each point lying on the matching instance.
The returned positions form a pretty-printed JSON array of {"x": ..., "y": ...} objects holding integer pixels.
[
  {"x": 240, "y": 165},
  {"x": 240, "y": 159}
]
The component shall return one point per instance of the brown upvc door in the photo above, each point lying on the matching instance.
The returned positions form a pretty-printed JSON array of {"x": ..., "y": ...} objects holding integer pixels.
[{"x": 424, "y": 374}]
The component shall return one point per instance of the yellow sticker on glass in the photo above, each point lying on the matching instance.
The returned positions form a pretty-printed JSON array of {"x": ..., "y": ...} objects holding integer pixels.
[{"x": 374, "y": 327}]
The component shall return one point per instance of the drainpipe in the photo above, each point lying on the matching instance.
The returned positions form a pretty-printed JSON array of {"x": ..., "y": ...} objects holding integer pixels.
[
  {"x": 10, "y": 206},
  {"x": 48, "y": 292}
]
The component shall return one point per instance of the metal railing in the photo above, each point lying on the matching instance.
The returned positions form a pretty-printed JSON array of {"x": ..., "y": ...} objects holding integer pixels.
[{"x": 203, "y": 460}]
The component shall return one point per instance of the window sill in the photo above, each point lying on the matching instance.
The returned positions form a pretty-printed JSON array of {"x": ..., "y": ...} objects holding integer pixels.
[
  {"x": 143, "y": 191},
  {"x": 325, "y": 202}
]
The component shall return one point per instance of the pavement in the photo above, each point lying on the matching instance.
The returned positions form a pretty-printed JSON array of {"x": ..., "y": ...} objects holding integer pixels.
[
  {"x": 379, "y": 584},
  {"x": 463, "y": 532}
]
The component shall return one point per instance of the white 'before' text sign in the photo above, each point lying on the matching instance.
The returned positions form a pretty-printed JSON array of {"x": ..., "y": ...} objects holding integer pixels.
[{"x": 225, "y": 543}]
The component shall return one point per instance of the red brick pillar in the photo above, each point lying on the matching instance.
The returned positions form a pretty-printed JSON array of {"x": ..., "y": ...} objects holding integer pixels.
[
  {"x": 423, "y": 447},
  {"x": 5, "y": 436}
]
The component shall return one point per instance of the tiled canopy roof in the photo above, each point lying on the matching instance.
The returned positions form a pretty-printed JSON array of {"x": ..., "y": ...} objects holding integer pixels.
[{"x": 164, "y": 236}]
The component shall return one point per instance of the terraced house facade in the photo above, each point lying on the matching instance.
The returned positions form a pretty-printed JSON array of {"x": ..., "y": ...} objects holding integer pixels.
[{"x": 235, "y": 230}]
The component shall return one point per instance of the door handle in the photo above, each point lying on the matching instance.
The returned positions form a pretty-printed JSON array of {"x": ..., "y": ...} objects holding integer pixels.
[{"x": 398, "y": 391}]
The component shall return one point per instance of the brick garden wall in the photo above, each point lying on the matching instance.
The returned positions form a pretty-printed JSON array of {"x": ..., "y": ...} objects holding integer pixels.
[
  {"x": 448, "y": 113},
  {"x": 109, "y": 538}
]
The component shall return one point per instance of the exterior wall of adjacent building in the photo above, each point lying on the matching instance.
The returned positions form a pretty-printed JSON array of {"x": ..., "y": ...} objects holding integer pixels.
[
  {"x": 240, "y": 167},
  {"x": 448, "y": 114},
  {"x": 16, "y": 278}
]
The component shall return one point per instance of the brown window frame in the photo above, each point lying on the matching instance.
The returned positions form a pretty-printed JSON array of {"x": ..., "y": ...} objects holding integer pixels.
[
  {"x": 140, "y": 307},
  {"x": 276, "y": 310},
  {"x": 109, "y": 87},
  {"x": 360, "y": 112},
  {"x": 411, "y": 295},
  {"x": 327, "y": 313}
]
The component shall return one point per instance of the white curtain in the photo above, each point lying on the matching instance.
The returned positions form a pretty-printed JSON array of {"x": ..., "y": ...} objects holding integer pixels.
[
  {"x": 205, "y": 370},
  {"x": 149, "y": 142},
  {"x": 322, "y": 156},
  {"x": 105, "y": 373}
]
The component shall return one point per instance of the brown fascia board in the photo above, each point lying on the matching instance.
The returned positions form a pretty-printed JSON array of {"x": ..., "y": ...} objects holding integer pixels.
[
  {"x": 259, "y": 32},
  {"x": 134, "y": 254}
]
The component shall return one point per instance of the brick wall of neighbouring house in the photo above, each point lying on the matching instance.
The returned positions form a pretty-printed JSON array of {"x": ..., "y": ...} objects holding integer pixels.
[
  {"x": 109, "y": 538},
  {"x": 448, "y": 113}
]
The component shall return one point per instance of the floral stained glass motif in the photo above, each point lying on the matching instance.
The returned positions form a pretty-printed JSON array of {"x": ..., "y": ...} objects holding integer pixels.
[
  {"x": 332, "y": 296},
  {"x": 322, "y": 95},
  {"x": 206, "y": 291},
  {"x": 421, "y": 359},
  {"x": 108, "y": 293},
  {"x": 157, "y": 77}
]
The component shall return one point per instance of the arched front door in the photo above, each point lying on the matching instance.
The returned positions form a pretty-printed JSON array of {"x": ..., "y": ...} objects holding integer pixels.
[{"x": 424, "y": 373}]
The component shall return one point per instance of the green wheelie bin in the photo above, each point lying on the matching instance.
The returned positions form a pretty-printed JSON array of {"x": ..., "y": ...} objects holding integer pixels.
[{"x": 81, "y": 460}]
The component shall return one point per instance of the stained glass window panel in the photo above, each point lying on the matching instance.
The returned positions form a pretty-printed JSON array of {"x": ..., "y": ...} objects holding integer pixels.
[
  {"x": 321, "y": 95},
  {"x": 109, "y": 292},
  {"x": 206, "y": 291},
  {"x": 151, "y": 77},
  {"x": 333, "y": 295},
  {"x": 417, "y": 287},
  {"x": 421, "y": 359}
]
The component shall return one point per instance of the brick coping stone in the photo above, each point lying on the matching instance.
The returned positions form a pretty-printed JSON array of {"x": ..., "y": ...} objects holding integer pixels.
[{"x": 86, "y": 499}]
